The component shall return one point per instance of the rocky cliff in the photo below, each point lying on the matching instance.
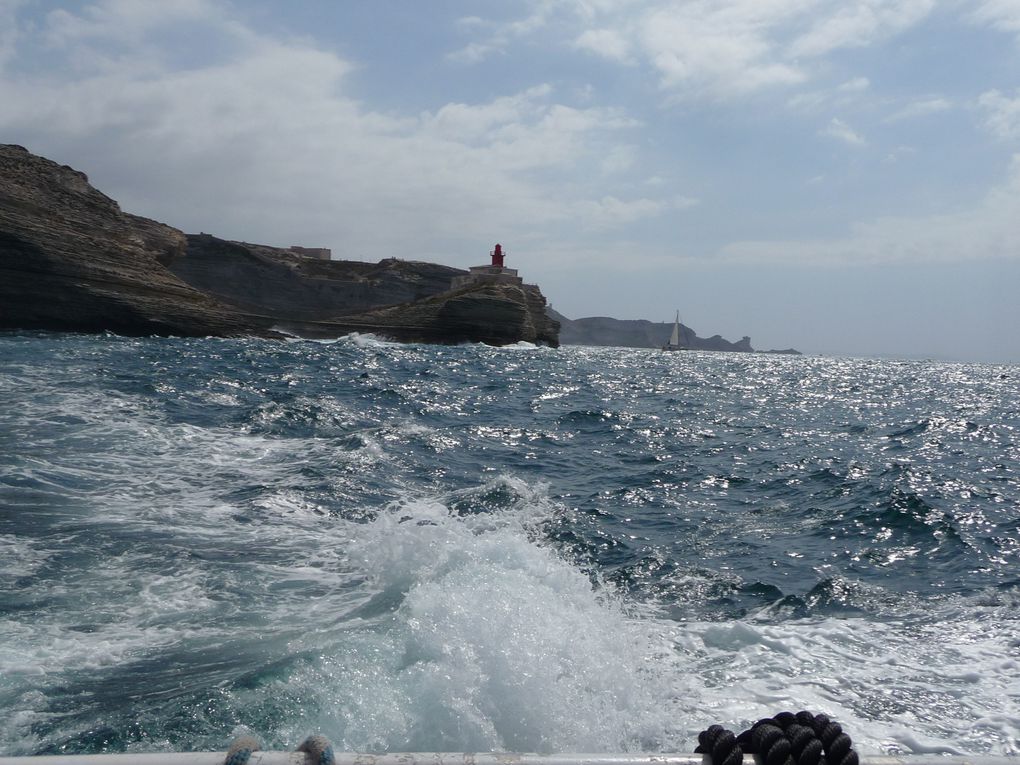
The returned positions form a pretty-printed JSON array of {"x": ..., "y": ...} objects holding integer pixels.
[
  {"x": 71, "y": 260},
  {"x": 273, "y": 281},
  {"x": 639, "y": 333},
  {"x": 497, "y": 314}
]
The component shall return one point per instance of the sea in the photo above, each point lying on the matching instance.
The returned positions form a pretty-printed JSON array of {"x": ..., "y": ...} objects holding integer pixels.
[{"x": 469, "y": 548}]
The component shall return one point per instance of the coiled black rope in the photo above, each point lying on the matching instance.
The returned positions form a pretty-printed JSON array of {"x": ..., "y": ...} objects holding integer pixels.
[{"x": 786, "y": 739}]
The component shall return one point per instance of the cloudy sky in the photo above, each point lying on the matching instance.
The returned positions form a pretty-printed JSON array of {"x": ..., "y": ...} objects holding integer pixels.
[{"x": 841, "y": 176}]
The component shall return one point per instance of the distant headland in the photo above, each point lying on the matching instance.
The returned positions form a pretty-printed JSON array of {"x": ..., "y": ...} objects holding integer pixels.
[{"x": 640, "y": 333}]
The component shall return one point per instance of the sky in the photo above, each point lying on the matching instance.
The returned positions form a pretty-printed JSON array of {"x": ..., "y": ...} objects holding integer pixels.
[{"x": 837, "y": 176}]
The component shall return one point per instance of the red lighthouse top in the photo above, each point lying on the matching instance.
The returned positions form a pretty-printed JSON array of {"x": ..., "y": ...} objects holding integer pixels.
[{"x": 497, "y": 256}]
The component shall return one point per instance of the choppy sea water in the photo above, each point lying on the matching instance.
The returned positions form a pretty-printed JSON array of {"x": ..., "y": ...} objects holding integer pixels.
[{"x": 469, "y": 548}]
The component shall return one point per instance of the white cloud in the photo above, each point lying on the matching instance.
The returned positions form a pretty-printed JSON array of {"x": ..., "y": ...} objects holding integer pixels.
[
  {"x": 856, "y": 85},
  {"x": 471, "y": 22},
  {"x": 618, "y": 160},
  {"x": 990, "y": 229},
  {"x": 1002, "y": 113},
  {"x": 124, "y": 20},
  {"x": 898, "y": 153},
  {"x": 611, "y": 212},
  {"x": 684, "y": 203},
  {"x": 264, "y": 145},
  {"x": 716, "y": 49},
  {"x": 999, "y": 14},
  {"x": 842, "y": 132},
  {"x": 8, "y": 29},
  {"x": 608, "y": 43},
  {"x": 921, "y": 107},
  {"x": 847, "y": 94},
  {"x": 474, "y": 52},
  {"x": 470, "y": 123},
  {"x": 859, "y": 24},
  {"x": 498, "y": 37}
]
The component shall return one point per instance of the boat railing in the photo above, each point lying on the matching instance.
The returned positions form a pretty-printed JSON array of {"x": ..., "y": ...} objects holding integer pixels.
[{"x": 457, "y": 758}]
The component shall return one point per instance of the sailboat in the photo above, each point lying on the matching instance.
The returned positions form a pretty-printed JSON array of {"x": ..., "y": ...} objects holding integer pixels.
[{"x": 674, "y": 339}]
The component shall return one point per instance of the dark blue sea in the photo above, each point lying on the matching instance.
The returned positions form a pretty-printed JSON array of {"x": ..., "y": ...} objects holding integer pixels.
[{"x": 408, "y": 547}]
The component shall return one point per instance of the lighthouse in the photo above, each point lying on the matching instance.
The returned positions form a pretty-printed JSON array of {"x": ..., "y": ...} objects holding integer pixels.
[{"x": 494, "y": 273}]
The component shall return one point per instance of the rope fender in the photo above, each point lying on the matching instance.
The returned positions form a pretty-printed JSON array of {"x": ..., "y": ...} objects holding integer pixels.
[
  {"x": 786, "y": 739},
  {"x": 318, "y": 751},
  {"x": 240, "y": 750}
]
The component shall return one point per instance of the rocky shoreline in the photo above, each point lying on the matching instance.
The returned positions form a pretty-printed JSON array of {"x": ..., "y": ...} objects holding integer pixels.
[{"x": 72, "y": 260}]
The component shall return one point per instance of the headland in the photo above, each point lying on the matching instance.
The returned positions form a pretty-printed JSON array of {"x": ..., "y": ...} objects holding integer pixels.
[
  {"x": 71, "y": 260},
  {"x": 640, "y": 333}
]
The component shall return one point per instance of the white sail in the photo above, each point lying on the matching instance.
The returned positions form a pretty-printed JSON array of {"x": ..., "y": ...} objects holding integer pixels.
[{"x": 674, "y": 339}]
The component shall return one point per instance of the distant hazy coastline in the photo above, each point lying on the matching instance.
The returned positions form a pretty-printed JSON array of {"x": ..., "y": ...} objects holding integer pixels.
[{"x": 641, "y": 333}]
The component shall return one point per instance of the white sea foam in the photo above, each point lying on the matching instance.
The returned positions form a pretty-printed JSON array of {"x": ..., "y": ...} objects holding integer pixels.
[
  {"x": 368, "y": 340},
  {"x": 57, "y": 646},
  {"x": 895, "y": 688},
  {"x": 432, "y": 630},
  {"x": 19, "y": 558},
  {"x": 520, "y": 345},
  {"x": 485, "y": 639},
  {"x": 316, "y": 340}
]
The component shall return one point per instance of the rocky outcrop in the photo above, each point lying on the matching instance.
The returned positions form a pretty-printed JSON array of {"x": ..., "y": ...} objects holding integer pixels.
[
  {"x": 71, "y": 260},
  {"x": 497, "y": 314},
  {"x": 639, "y": 333}
]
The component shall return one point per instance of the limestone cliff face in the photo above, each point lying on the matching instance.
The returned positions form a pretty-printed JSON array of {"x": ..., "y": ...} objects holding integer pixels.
[{"x": 71, "y": 260}]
